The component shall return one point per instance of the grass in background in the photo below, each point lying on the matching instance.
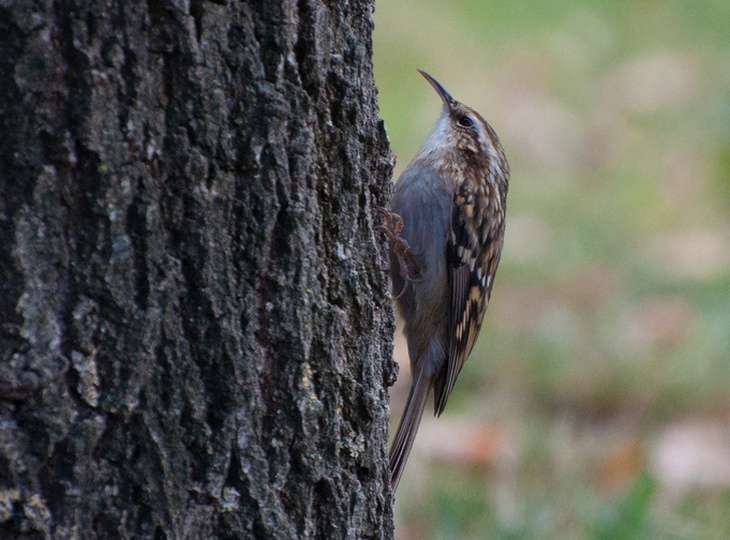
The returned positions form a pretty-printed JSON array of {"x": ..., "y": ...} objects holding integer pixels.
[{"x": 602, "y": 376}]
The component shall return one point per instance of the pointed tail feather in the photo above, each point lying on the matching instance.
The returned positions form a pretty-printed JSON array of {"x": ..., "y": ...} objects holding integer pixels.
[{"x": 408, "y": 427}]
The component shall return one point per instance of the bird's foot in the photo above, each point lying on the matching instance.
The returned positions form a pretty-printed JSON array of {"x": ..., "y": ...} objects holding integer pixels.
[{"x": 392, "y": 227}]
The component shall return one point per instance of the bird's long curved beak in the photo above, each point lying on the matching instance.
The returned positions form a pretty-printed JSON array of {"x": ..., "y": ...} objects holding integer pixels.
[{"x": 440, "y": 90}]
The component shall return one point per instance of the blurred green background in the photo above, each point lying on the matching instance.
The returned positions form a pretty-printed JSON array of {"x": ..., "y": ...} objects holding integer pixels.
[{"x": 597, "y": 401}]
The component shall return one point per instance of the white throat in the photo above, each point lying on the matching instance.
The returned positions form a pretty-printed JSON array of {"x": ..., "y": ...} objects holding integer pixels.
[{"x": 438, "y": 140}]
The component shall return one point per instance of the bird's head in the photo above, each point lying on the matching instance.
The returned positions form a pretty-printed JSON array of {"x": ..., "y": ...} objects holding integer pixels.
[{"x": 462, "y": 133}]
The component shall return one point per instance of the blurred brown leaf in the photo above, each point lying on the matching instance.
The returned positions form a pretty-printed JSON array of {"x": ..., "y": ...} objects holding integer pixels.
[
  {"x": 622, "y": 465},
  {"x": 697, "y": 254},
  {"x": 589, "y": 286},
  {"x": 461, "y": 442},
  {"x": 653, "y": 82},
  {"x": 659, "y": 323}
]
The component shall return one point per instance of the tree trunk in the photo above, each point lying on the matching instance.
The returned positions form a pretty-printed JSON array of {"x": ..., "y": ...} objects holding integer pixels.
[{"x": 195, "y": 325}]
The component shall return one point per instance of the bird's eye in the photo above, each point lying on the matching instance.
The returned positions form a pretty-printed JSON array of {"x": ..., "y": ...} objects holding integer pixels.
[{"x": 465, "y": 121}]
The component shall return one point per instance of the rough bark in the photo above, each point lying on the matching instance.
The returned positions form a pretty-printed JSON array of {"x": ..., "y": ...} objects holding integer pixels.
[{"x": 195, "y": 328}]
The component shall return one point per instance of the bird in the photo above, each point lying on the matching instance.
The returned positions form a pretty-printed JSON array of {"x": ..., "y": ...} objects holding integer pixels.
[{"x": 446, "y": 224}]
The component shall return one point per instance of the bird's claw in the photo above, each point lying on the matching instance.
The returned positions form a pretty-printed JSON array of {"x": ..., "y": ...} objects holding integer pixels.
[{"x": 392, "y": 227}]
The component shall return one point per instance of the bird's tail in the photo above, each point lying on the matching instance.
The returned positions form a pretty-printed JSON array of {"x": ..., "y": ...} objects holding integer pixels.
[{"x": 408, "y": 426}]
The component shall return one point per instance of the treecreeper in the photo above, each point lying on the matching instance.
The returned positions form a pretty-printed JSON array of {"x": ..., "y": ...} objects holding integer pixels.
[{"x": 446, "y": 228}]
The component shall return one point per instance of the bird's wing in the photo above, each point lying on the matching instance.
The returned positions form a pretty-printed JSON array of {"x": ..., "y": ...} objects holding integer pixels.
[{"x": 473, "y": 250}]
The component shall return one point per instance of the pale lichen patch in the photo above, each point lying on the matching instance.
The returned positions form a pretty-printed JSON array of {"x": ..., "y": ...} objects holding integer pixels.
[{"x": 88, "y": 384}]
